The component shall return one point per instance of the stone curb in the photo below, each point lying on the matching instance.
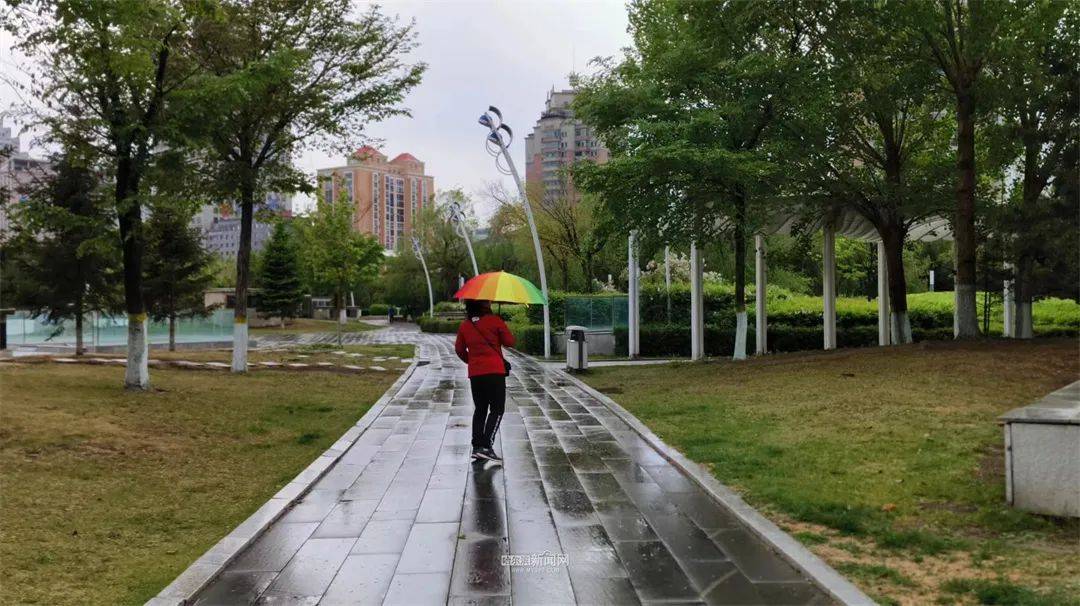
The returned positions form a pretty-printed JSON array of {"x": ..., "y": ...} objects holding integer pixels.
[
  {"x": 820, "y": 573},
  {"x": 204, "y": 570}
]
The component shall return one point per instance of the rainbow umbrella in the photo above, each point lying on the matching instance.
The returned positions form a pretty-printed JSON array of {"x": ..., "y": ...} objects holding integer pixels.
[{"x": 501, "y": 287}]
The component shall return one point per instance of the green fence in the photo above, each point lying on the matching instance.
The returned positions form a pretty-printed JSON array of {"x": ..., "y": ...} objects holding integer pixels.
[{"x": 596, "y": 312}]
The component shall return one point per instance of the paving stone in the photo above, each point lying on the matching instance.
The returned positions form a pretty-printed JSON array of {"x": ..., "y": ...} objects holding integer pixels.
[
  {"x": 440, "y": 505},
  {"x": 654, "y": 572},
  {"x": 235, "y": 588},
  {"x": 275, "y": 548},
  {"x": 346, "y": 519},
  {"x": 312, "y": 568},
  {"x": 362, "y": 579},
  {"x": 428, "y": 589},
  {"x": 429, "y": 548},
  {"x": 383, "y": 536},
  {"x": 479, "y": 570}
]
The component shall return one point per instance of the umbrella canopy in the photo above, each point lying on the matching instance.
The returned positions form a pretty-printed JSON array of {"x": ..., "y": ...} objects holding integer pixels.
[{"x": 501, "y": 287}]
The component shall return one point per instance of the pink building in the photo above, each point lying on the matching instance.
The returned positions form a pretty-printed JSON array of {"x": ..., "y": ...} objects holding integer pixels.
[{"x": 387, "y": 194}]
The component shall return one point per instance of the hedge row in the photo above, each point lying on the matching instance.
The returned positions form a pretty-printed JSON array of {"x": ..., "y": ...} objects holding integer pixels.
[
  {"x": 668, "y": 340},
  {"x": 925, "y": 310}
]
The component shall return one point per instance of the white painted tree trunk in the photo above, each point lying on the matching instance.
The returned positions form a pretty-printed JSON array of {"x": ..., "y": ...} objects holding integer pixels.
[
  {"x": 1008, "y": 304},
  {"x": 740, "y": 336},
  {"x": 828, "y": 261},
  {"x": 965, "y": 309},
  {"x": 697, "y": 307},
  {"x": 240, "y": 346},
  {"x": 1025, "y": 328},
  {"x": 137, "y": 373},
  {"x": 761, "y": 321},
  {"x": 341, "y": 316},
  {"x": 884, "y": 331},
  {"x": 901, "y": 327}
]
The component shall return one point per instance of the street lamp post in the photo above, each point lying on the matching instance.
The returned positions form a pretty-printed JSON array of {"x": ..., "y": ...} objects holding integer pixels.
[
  {"x": 500, "y": 136},
  {"x": 457, "y": 216},
  {"x": 420, "y": 255}
]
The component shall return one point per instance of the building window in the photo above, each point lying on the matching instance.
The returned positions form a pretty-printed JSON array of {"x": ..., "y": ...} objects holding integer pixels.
[
  {"x": 347, "y": 187},
  {"x": 395, "y": 210},
  {"x": 328, "y": 189},
  {"x": 375, "y": 190},
  {"x": 415, "y": 196}
]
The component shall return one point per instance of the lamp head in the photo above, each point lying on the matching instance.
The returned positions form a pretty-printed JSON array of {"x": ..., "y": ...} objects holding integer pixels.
[{"x": 485, "y": 120}]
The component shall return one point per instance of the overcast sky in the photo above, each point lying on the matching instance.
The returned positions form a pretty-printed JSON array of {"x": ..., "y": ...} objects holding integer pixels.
[{"x": 507, "y": 53}]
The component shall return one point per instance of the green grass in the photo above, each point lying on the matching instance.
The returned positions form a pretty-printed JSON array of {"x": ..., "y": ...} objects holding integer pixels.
[
  {"x": 896, "y": 448},
  {"x": 109, "y": 494},
  {"x": 308, "y": 354}
]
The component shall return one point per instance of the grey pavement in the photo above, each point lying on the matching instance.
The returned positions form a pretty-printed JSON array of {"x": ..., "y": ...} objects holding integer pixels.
[{"x": 583, "y": 511}]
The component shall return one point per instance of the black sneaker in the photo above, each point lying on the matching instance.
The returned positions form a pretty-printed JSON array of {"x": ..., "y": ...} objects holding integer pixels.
[
  {"x": 488, "y": 454},
  {"x": 476, "y": 453}
]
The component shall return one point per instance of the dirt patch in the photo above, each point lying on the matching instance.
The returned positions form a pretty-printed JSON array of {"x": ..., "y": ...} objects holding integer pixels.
[
  {"x": 992, "y": 464},
  {"x": 918, "y": 580}
]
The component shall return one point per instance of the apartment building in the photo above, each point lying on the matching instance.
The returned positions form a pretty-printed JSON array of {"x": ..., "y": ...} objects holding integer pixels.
[
  {"x": 557, "y": 141},
  {"x": 387, "y": 195},
  {"x": 18, "y": 171}
]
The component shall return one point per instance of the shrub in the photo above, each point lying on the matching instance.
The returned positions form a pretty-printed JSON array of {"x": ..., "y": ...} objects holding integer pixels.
[
  {"x": 529, "y": 338},
  {"x": 437, "y": 325},
  {"x": 449, "y": 306},
  {"x": 378, "y": 309}
]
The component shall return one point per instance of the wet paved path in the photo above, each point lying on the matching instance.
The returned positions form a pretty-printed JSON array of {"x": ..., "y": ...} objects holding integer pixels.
[{"x": 405, "y": 518}]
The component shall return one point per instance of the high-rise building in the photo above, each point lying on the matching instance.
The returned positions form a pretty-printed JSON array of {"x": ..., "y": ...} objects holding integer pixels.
[
  {"x": 386, "y": 195},
  {"x": 220, "y": 225},
  {"x": 558, "y": 141},
  {"x": 18, "y": 171}
]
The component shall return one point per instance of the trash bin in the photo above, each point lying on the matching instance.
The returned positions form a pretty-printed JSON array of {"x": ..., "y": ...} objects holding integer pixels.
[{"x": 577, "y": 349}]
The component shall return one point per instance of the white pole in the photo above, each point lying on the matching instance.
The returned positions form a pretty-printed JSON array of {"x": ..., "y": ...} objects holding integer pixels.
[
  {"x": 535, "y": 239},
  {"x": 634, "y": 302},
  {"x": 884, "y": 332},
  {"x": 1009, "y": 303},
  {"x": 761, "y": 323},
  {"x": 828, "y": 260},
  {"x": 697, "y": 315},
  {"x": 468, "y": 244},
  {"x": 427, "y": 276}
]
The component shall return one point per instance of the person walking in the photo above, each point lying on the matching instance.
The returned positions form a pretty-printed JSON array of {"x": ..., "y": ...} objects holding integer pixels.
[{"x": 480, "y": 340}]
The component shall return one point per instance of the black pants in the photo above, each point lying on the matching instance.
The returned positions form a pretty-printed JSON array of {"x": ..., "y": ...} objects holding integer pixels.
[{"x": 489, "y": 398}]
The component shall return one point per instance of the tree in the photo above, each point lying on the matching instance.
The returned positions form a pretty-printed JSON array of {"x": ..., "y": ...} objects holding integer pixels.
[
  {"x": 282, "y": 75},
  {"x": 282, "y": 290},
  {"x": 962, "y": 38},
  {"x": 1039, "y": 106},
  {"x": 178, "y": 268},
  {"x": 688, "y": 115},
  {"x": 108, "y": 72},
  {"x": 66, "y": 250},
  {"x": 875, "y": 141},
  {"x": 337, "y": 257}
]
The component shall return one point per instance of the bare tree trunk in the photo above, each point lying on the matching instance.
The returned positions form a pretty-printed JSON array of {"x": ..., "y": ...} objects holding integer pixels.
[
  {"x": 172, "y": 332},
  {"x": 79, "y": 349},
  {"x": 243, "y": 271},
  {"x": 900, "y": 325},
  {"x": 967, "y": 320}
]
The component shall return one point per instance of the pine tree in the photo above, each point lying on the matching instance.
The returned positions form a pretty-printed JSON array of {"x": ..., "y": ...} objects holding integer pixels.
[
  {"x": 178, "y": 269},
  {"x": 65, "y": 250},
  {"x": 282, "y": 291}
]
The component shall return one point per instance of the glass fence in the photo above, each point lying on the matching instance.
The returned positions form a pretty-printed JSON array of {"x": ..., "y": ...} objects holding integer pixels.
[
  {"x": 597, "y": 313},
  {"x": 112, "y": 330}
]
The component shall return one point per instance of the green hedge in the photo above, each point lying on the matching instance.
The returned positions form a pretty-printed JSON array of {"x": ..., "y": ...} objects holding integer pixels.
[
  {"x": 932, "y": 310},
  {"x": 378, "y": 309},
  {"x": 668, "y": 340},
  {"x": 436, "y": 325}
]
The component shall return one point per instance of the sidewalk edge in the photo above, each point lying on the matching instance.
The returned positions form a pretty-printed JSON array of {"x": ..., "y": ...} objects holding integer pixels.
[
  {"x": 819, "y": 572},
  {"x": 196, "y": 577}
]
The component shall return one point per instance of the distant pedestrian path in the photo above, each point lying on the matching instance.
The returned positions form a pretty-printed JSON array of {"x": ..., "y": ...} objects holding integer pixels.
[{"x": 584, "y": 509}]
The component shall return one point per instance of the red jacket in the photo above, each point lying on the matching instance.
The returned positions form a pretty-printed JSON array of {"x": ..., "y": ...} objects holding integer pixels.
[{"x": 480, "y": 345}]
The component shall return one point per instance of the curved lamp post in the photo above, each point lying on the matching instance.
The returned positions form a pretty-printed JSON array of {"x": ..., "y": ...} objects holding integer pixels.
[
  {"x": 457, "y": 216},
  {"x": 420, "y": 255},
  {"x": 498, "y": 140}
]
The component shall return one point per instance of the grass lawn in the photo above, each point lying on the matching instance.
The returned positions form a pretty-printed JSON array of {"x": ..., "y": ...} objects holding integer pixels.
[
  {"x": 304, "y": 325},
  {"x": 108, "y": 495},
  {"x": 886, "y": 462}
]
